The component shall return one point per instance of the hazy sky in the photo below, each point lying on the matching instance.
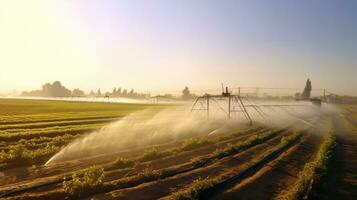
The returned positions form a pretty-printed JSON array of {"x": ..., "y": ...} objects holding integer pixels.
[{"x": 167, "y": 44}]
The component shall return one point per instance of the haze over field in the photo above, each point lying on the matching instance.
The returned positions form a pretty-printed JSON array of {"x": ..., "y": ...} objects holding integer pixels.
[
  {"x": 164, "y": 45},
  {"x": 178, "y": 99}
]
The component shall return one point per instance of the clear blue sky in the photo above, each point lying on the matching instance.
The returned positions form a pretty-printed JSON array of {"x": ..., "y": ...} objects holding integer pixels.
[{"x": 167, "y": 44}]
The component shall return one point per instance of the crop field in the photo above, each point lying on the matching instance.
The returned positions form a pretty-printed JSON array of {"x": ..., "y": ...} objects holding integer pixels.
[{"x": 314, "y": 159}]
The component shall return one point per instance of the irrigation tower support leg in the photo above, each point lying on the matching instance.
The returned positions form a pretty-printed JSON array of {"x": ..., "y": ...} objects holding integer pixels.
[
  {"x": 245, "y": 111},
  {"x": 194, "y": 104}
]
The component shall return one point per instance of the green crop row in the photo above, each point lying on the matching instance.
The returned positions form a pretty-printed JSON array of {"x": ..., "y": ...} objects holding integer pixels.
[
  {"x": 41, "y": 142},
  {"x": 19, "y": 154},
  {"x": 313, "y": 171},
  {"x": 148, "y": 174},
  {"x": 200, "y": 186},
  {"x": 187, "y": 145},
  {"x": 18, "y": 134},
  {"x": 90, "y": 179},
  {"x": 251, "y": 141},
  {"x": 55, "y": 123}
]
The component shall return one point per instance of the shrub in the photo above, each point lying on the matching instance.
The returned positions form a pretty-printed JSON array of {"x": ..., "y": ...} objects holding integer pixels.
[{"x": 79, "y": 186}]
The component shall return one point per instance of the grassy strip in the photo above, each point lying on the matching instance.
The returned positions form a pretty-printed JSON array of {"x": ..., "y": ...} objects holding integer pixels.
[
  {"x": 200, "y": 187},
  {"x": 55, "y": 123},
  {"x": 55, "y": 117},
  {"x": 18, "y": 134},
  {"x": 313, "y": 171}
]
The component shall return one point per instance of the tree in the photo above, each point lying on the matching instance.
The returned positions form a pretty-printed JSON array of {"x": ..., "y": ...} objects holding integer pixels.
[
  {"x": 59, "y": 91},
  {"x": 307, "y": 90},
  {"x": 77, "y": 93},
  {"x": 55, "y": 90},
  {"x": 186, "y": 93}
]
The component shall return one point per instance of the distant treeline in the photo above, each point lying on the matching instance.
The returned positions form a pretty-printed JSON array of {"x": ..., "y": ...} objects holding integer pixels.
[{"x": 56, "y": 89}]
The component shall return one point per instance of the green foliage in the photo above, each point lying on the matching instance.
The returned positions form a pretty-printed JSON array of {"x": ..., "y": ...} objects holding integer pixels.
[
  {"x": 17, "y": 152},
  {"x": 286, "y": 139},
  {"x": 149, "y": 174},
  {"x": 149, "y": 154},
  {"x": 78, "y": 186},
  {"x": 17, "y": 134},
  {"x": 187, "y": 145},
  {"x": 63, "y": 122},
  {"x": 40, "y": 127},
  {"x": 251, "y": 141},
  {"x": 144, "y": 176},
  {"x": 314, "y": 170},
  {"x": 194, "y": 143},
  {"x": 123, "y": 162},
  {"x": 196, "y": 189}
]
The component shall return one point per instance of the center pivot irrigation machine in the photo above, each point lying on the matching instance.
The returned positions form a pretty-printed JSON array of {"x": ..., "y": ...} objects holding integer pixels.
[{"x": 235, "y": 105}]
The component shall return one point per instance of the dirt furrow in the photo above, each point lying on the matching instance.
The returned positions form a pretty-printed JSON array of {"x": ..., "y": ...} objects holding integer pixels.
[
  {"x": 52, "y": 174},
  {"x": 272, "y": 180},
  {"x": 161, "y": 188}
]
